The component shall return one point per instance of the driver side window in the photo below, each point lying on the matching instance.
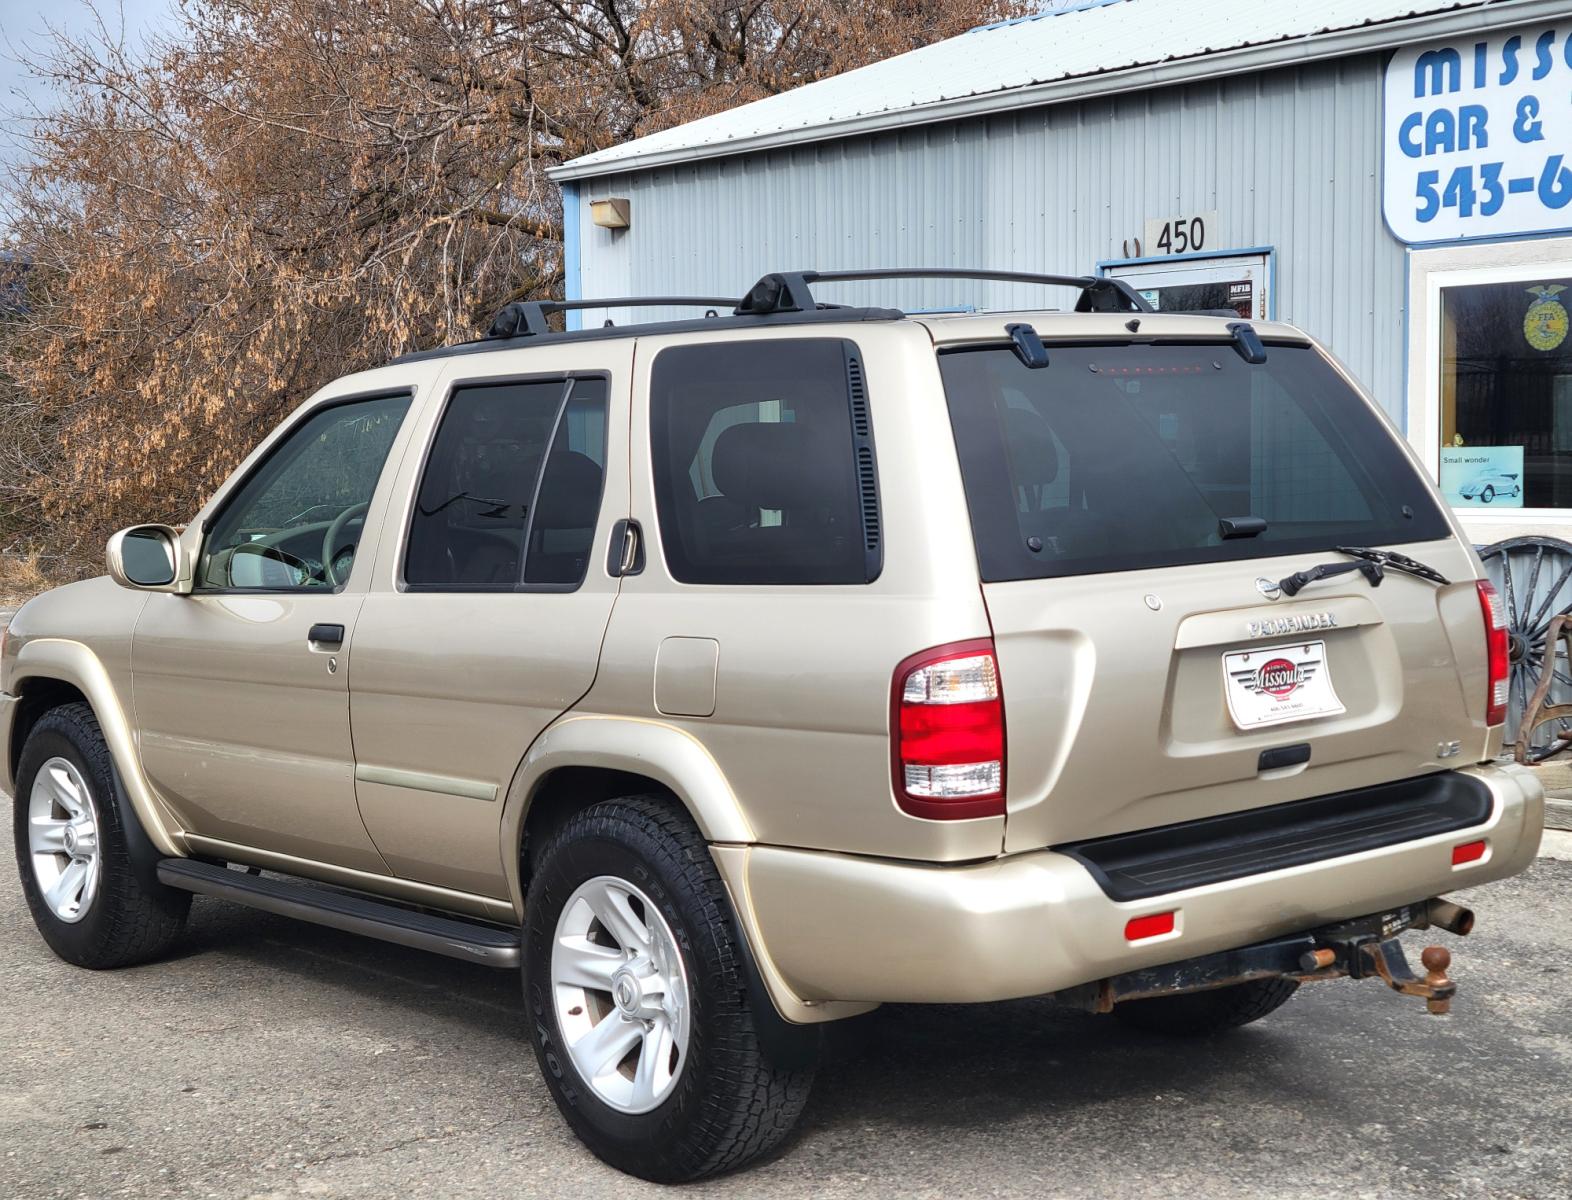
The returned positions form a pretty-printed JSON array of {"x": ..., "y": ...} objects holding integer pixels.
[{"x": 296, "y": 523}]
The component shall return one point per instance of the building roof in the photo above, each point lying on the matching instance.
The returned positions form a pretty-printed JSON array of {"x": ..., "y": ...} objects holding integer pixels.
[{"x": 1092, "y": 47}]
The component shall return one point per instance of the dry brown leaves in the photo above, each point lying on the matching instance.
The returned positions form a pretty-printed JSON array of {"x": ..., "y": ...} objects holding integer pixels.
[{"x": 288, "y": 190}]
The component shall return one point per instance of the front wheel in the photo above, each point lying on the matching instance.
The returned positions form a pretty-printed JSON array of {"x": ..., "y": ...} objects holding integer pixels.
[
  {"x": 73, "y": 850},
  {"x": 640, "y": 1011},
  {"x": 1488, "y": 495}
]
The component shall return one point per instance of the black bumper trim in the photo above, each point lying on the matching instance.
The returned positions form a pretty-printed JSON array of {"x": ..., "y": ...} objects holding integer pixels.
[{"x": 1174, "y": 858}]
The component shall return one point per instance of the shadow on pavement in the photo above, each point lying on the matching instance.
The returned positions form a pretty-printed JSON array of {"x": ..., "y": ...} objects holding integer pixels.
[{"x": 924, "y": 1065}]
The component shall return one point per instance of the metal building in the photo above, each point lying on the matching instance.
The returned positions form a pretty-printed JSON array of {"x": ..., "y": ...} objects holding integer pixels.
[{"x": 1387, "y": 174}]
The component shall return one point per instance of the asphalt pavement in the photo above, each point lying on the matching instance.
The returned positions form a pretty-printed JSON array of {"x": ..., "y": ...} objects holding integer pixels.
[{"x": 272, "y": 1059}]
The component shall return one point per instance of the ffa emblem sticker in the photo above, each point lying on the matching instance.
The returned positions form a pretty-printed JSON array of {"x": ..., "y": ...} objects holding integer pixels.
[{"x": 1545, "y": 325}]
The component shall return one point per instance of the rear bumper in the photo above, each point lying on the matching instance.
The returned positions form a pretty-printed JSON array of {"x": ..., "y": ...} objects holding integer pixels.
[{"x": 838, "y": 928}]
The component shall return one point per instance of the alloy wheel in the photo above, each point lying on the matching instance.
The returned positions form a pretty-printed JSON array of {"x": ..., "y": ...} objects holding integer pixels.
[
  {"x": 62, "y": 836},
  {"x": 620, "y": 989}
]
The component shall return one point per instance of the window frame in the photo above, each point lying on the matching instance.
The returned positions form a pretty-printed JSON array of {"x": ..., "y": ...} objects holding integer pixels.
[
  {"x": 236, "y": 486},
  {"x": 862, "y": 446},
  {"x": 450, "y": 390},
  {"x": 1433, "y": 271},
  {"x": 1147, "y": 271}
]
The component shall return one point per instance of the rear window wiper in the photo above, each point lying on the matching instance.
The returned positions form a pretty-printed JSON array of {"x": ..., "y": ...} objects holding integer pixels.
[
  {"x": 1372, "y": 564},
  {"x": 1391, "y": 560},
  {"x": 1300, "y": 580}
]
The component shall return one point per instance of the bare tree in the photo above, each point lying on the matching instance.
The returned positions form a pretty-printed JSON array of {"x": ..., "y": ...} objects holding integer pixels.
[{"x": 285, "y": 190}]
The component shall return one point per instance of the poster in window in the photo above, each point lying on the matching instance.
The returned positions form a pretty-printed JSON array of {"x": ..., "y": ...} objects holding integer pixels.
[{"x": 1482, "y": 476}]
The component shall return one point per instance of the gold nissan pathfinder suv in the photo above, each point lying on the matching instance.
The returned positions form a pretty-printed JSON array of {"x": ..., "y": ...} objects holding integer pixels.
[{"x": 732, "y": 675}]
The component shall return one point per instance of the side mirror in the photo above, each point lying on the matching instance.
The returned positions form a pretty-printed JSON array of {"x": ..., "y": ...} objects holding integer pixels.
[{"x": 150, "y": 558}]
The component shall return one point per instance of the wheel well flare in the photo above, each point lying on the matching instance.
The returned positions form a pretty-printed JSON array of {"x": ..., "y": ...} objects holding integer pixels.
[{"x": 38, "y": 695}]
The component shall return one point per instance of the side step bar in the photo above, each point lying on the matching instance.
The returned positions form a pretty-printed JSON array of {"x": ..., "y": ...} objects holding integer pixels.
[{"x": 488, "y": 945}]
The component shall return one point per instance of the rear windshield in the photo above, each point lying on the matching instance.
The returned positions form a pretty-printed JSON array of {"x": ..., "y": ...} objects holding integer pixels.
[{"x": 1118, "y": 457}]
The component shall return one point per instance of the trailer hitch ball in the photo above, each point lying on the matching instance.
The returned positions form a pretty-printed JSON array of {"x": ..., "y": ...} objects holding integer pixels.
[
  {"x": 1385, "y": 960},
  {"x": 1436, "y": 960}
]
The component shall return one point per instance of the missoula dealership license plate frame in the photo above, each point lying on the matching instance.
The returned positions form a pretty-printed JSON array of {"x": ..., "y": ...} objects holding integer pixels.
[{"x": 1277, "y": 685}]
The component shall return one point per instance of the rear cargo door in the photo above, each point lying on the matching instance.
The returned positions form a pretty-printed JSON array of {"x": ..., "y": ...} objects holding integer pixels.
[{"x": 1136, "y": 508}]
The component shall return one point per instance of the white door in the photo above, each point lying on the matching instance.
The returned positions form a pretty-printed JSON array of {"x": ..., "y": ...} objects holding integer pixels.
[{"x": 1211, "y": 283}]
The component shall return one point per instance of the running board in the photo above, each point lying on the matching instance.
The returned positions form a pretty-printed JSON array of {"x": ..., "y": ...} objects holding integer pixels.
[{"x": 488, "y": 945}]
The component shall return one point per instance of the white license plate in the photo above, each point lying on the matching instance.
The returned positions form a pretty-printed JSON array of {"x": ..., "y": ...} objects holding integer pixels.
[{"x": 1279, "y": 684}]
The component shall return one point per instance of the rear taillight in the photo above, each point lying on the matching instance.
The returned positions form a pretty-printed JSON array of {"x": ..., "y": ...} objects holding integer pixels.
[
  {"x": 1494, "y": 610},
  {"x": 947, "y": 729}
]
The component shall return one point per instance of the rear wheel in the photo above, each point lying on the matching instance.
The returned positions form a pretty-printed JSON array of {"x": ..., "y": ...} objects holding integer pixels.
[
  {"x": 640, "y": 1010},
  {"x": 73, "y": 851},
  {"x": 1196, "y": 1014}
]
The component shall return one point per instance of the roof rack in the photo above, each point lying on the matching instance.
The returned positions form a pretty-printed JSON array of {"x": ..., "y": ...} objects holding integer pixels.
[
  {"x": 527, "y": 318},
  {"x": 789, "y": 291}
]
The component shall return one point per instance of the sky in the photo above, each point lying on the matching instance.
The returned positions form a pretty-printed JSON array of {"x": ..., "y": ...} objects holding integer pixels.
[{"x": 24, "y": 26}]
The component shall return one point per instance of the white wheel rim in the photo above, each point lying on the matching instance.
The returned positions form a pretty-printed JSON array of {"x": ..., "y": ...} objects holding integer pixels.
[
  {"x": 62, "y": 835},
  {"x": 621, "y": 993}
]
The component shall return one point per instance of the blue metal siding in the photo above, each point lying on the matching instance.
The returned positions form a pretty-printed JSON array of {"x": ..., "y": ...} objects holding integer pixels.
[
  {"x": 1289, "y": 158},
  {"x": 572, "y": 251}
]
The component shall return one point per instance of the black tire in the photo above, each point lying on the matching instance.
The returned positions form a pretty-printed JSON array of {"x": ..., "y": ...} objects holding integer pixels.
[
  {"x": 1488, "y": 495},
  {"x": 130, "y": 919},
  {"x": 1197, "y": 1014},
  {"x": 739, "y": 1092}
]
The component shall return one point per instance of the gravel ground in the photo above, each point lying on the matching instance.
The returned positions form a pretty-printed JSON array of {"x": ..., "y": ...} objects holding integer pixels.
[{"x": 271, "y": 1059}]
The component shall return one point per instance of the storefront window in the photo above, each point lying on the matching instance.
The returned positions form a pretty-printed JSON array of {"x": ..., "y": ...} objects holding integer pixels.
[{"x": 1506, "y": 395}]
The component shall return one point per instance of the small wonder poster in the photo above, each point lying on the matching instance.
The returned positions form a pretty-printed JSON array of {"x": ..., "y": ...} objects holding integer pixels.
[{"x": 1482, "y": 476}]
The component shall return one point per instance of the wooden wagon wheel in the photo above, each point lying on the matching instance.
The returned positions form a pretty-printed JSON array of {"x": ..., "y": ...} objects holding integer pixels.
[
  {"x": 1540, "y": 711},
  {"x": 1534, "y": 577}
]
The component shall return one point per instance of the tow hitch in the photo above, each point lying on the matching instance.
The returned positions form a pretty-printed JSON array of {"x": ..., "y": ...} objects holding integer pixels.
[
  {"x": 1364, "y": 948},
  {"x": 1385, "y": 960}
]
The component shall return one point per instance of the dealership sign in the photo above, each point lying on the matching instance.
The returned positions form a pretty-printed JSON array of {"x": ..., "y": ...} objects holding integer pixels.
[{"x": 1478, "y": 136}]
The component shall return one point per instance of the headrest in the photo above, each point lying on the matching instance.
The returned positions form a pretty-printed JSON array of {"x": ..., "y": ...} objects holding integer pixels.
[
  {"x": 768, "y": 466},
  {"x": 1032, "y": 453},
  {"x": 570, "y": 493}
]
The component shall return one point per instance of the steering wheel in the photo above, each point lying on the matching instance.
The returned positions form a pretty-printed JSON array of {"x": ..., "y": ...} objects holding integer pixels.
[{"x": 330, "y": 540}]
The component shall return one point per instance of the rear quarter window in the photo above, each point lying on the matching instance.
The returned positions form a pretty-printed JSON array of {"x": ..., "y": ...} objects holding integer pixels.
[
  {"x": 762, "y": 455},
  {"x": 1126, "y": 456}
]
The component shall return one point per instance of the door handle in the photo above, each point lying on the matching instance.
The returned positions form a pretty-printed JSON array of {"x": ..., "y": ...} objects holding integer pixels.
[
  {"x": 326, "y": 635},
  {"x": 627, "y": 549}
]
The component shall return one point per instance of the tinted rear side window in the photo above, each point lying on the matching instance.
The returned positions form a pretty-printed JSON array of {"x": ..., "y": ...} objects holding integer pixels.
[
  {"x": 763, "y": 463},
  {"x": 486, "y": 517},
  {"x": 1118, "y": 457}
]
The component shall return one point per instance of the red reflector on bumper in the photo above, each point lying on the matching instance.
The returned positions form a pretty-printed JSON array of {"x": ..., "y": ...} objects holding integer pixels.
[
  {"x": 1155, "y": 925},
  {"x": 1468, "y": 852}
]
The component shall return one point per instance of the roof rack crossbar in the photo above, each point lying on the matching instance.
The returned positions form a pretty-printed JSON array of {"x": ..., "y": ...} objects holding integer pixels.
[
  {"x": 790, "y": 291},
  {"x": 527, "y": 318}
]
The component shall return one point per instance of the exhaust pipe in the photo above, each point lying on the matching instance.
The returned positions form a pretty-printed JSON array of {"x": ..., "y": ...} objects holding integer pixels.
[{"x": 1453, "y": 918}]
